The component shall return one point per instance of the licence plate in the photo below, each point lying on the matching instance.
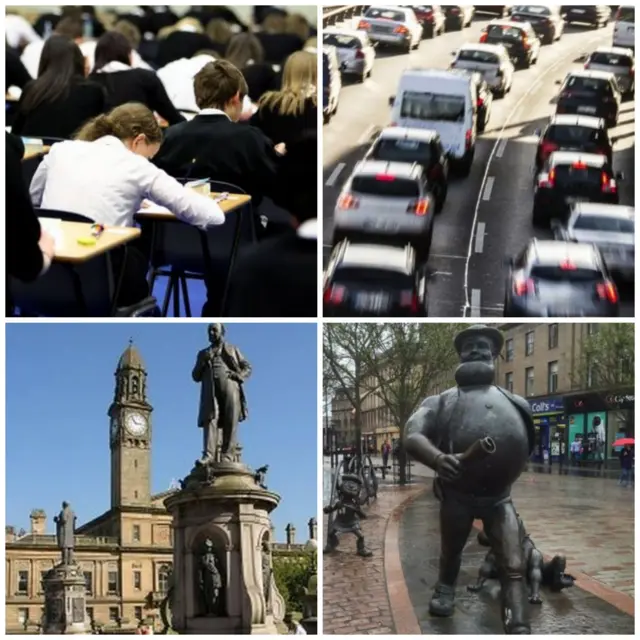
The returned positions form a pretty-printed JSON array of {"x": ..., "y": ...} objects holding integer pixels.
[
  {"x": 575, "y": 200},
  {"x": 385, "y": 226},
  {"x": 586, "y": 109},
  {"x": 372, "y": 302},
  {"x": 580, "y": 11}
]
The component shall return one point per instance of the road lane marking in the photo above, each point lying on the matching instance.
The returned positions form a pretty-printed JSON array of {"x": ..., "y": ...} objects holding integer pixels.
[
  {"x": 488, "y": 188},
  {"x": 445, "y": 257},
  {"x": 475, "y": 303},
  {"x": 480, "y": 237},
  {"x": 501, "y": 148},
  {"x": 441, "y": 273},
  {"x": 331, "y": 180},
  {"x": 366, "y": 134}
]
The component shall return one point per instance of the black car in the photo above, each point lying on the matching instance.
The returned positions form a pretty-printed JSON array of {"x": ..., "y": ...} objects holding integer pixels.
[
  {"x": 595, "y": 15},
  {"x": 561, "y": 279},
  {"x": 590, "y": 93},
  {"x": 545, "y": 19},
  {"x": 397, "y": 144},
  {"x": 457, "y": 17},
  {"x": 373, "y": 281},
  {"x": 574, "y": 133},
  {"x": 568, "y": 177},
  {"x": 519, "y": 39}
]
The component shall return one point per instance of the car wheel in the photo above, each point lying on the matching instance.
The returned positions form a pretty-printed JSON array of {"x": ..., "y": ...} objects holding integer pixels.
[
  {"x": 466, "y": 163},
  {"x": 483, "y": 123},
  {"x": 525, "y": 63},
  {"x": 440, "y": 197}
]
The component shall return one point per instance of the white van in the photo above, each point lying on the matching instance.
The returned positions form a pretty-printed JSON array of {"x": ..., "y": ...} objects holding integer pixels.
[
  {"x": 624, "y": 27},
  {"x": 444, "y": 101}
]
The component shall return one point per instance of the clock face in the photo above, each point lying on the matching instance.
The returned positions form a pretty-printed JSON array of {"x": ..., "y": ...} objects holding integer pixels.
[{"x": 136, "y": 424}]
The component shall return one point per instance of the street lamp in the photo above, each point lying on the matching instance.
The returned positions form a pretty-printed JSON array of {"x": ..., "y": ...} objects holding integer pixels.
[{"x": 310, "y": 592}]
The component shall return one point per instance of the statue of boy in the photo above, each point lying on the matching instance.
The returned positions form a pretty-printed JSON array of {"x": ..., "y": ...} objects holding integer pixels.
[{"x": 444, "y": 427}]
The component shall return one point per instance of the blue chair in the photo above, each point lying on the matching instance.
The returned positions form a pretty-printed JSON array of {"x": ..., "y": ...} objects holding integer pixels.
[{"x": 76, "y": 290}]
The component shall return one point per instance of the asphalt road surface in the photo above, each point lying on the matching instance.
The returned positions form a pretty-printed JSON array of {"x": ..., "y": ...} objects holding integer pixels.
[{"x": 487, "y": 216}]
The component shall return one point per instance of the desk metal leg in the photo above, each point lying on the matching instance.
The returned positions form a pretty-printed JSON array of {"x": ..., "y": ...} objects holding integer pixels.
[
  {"x": 77, "y": 287},
  {"x": 232, "y": 261},
  {"x": 167, "y": 296},
  {"x": 185, "y": 296}
]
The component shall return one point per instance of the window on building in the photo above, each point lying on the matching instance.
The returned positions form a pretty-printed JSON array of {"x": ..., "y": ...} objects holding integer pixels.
[
  {"x": 164, "y": 573},
  {"x": 114, "y": 614},
  {"x": 509, "y": 349},
  {"x": 552, "y": 382},
  {"x": 529, "y": 381},
  {"x": 135, "y": 494},
  {"x": 136, "y": 533},
  {"x": 112, "y": 583},
  {"x": 529, "y": 341},
  {"x": 23, "y": 615},
  {"x": 553, "y": 335},
  {"x": 138, "y": 613},
  {"x": 137, "y": 580},
  {"x": 88, "y": 582},
  {"x": 90, "y": 613},
  {"x": 23, "y": 582},
  {"x": 508, "y": 381},
  {"x": 135, "y": 464}
]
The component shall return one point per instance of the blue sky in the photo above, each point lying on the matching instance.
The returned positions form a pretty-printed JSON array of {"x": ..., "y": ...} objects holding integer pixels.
[{"x": 60, "y": 382}]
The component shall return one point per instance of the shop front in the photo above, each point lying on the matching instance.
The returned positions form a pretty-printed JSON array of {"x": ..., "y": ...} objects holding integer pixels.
[
  {"x": 596, "y": 420},
  {"x": 550, "y": 424}
]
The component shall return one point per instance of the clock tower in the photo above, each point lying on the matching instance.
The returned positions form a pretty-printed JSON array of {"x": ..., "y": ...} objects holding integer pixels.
[{"x": 130, "y": 433}]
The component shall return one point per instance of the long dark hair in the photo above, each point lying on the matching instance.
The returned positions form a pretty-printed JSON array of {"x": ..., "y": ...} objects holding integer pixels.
[
  {"x": 112, "y": 47},
  {"x": 61, "y": 61}
]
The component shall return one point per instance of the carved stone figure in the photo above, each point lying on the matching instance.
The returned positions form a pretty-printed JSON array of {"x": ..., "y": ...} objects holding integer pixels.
[
  {"x": 476, "y": 416},
  {"x": 267, "y": 574},
  {"x": 538, "y": 572},
  {"x": 348, "y": 516},
  {"x": 65, "y": 532},
  {"x": 210, "y": 581},
  {"x": 261, "y": 476},
  {"x": 221, "y": 370}
]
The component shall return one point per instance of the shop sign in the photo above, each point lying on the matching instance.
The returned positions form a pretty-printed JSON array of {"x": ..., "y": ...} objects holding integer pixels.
[
  {"x": 590, "y": 402},
  {"x": 547, "y": 405}
]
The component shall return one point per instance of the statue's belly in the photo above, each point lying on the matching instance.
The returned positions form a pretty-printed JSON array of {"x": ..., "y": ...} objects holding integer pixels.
[{"x": 484, "y": 412}]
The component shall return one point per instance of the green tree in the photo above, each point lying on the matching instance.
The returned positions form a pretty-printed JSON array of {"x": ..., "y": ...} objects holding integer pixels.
[{"x": 291, "y": 576}]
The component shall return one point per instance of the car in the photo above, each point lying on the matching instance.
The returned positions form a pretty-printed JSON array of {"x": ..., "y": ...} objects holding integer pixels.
[
  {"x": 458, "y": 16},
  {"x": 394, "y": 26},
  {"x": 568, "y": 177},
  {"x": 518, "y": 38},
  {"x": 430, "y": 16},
  {"x": 595, "y": 15},
  {"x": 545, "y": 19},
  {"x": 617, "y": 60},
  {"x": 610, "y": 227},
  {"x": 624, "y": 29},
  {"x": 355, "y": 52},
  {"x": 590, "y": 93},
  {"x": 501, "y": 11},
  {"x": 399, "y": 144},
  {"x": 490, "y": 60},
  {"x": 374, "y": 281},
  {"x": 331, "y": 82},
  {"x": 386, "y": 203},
  {"x": 560, "y": 279},
  {"x": 484, "y": 100},
  {"x": 574, "y": 133}
]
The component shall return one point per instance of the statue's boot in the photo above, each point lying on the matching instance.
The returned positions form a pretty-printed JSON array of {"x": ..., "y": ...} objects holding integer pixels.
[
  {"x": 362, "y": 549},
  {"x": 514, "y": 607},
  {"x": 442, "y": 601},
  {"x": 332, "y": 542}
]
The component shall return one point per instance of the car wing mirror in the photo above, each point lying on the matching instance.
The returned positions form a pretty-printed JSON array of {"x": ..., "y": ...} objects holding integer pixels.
[
  {"x": 392, "y": 99},
  {"x": 537, "y": 133},
  {"x": 619, "y": 176},
  {"x": 558, "y": 82}
]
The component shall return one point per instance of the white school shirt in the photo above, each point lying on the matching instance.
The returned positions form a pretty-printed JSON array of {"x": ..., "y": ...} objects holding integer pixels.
[
  {"x": 18, "y": 30},
  {"x": 106, "y": 182}
]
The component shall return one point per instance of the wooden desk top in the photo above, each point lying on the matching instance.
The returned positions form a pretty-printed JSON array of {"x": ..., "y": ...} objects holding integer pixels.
[
  {"x": 233, "y": 202},
  {"x": 68, "y": 249},
  {"x": 31, "y": 151},
  {"x": 10, "y": 98}
]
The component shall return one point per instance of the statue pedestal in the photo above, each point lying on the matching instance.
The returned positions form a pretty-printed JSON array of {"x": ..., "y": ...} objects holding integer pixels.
[
  {"x": 223, "y": 503},
  {"x": 65, "y": 600}
]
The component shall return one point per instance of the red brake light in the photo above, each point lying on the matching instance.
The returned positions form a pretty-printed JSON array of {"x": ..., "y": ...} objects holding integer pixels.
[
  {"x": 363, "y": 24},
  {"x": 567, "y": 265},
  {"x": 359, "y": 54},
  {"x": 468, "y": 137},
  {"x": 454, "y": 10},
  {"x": 608, "y": 184},
  {"x": 334, "y": 294},
  {"x": 550, "y": 180},
  {"x": 483, "y": 37},
  {"x": 480, "y": 101},
  {"x": 547, "y": 148},
  {"x": 522, "y": 287},
  {"x": 579, "y": 165},
  {"x": 401, "y": 29},
  {"x": 347, "y": 201},
  {"x": 607, "y": 291},
  {"x": 385, "y": 177},
  {"x": 409, "y": 299},
  {"x": 420, "y": 208}
]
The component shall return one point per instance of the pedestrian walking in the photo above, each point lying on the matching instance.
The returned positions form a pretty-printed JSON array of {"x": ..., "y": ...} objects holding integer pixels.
[
  {"x": 386, "y": 450},
  {"x": 626, "y": 464}
]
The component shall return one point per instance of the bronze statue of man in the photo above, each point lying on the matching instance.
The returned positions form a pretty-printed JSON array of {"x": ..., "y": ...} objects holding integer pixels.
[
  {"x": 210, "y": 581},
  {"x": 65, "y": 532},
  {"x": 221, "y": 369},
  {"x": 446, "y": 426}
]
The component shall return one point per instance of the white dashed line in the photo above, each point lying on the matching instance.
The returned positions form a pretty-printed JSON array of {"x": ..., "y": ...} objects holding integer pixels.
[
  {"x": 442, "y": 256},
  {"x": 501, "y": 148},
  {"x": 488, "y": 188},
  {"x": 480, "y": 236},
  {"x": 331, "y": 180},
  {"x": 366, "y": 135},
  {"x": 475, "y": 303}
]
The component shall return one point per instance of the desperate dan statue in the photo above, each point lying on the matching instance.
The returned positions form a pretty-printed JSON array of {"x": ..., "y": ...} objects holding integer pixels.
[
  {"x": 478, "y": 438},
  {"x": 221, "y": 369}
]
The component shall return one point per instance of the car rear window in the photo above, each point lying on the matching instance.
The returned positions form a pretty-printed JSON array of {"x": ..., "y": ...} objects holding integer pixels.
[
  {"x": 533, "y": 9},
  {"x": 370, "y": 277},
  {"x": 590, "y": 85},
  {"x": 503, "y": 31},
  {"x": 402, "y": 151},
  {"x": 432, "y": 106},
  {"x": 385, "y": 186},
  {"x": 604, "y": 223},
  {"x": 611, "y": 59},
  {"x": 560, "y": 273},
  {"x": 341, "y": 41},
  {"x": 574, "y": 135},
  {"x": 626, "y": 14},
  {"x": 570, "y": 175},
  {"x": 385, "y": 14},
  {"x": 471, "y": 55}
]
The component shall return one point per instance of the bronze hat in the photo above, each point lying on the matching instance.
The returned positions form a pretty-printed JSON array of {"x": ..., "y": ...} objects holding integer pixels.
[{"x": 491, "y": 333}]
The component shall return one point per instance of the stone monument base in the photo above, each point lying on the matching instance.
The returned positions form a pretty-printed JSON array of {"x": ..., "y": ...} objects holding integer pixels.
[{"x": 65, "y": 600}]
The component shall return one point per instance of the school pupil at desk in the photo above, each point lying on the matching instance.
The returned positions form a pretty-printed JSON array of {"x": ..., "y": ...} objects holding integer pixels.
[
  {"x": 105, "y": 174},
  {"x": 123, "y": 83},
  {"x": 284, "y": 115},
  {"x": 61, "y": 99},
  {"x": 213, "y": 144},
  {"x": 29, "y": 250}
]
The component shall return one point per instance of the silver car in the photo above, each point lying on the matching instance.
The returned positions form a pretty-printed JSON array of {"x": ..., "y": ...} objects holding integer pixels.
[
  {"x": 386, "y": 202},
  {"x": 610, "y": 227},
  {"x": 355, "y": 52},
  {"x": 616, "y": 60},
  {"x": 397, "y": 26},
  {"x": 492, "y": 61}
]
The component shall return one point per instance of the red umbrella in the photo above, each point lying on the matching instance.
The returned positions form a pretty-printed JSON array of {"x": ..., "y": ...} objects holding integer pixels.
[{"x": 624, "y": 441}]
